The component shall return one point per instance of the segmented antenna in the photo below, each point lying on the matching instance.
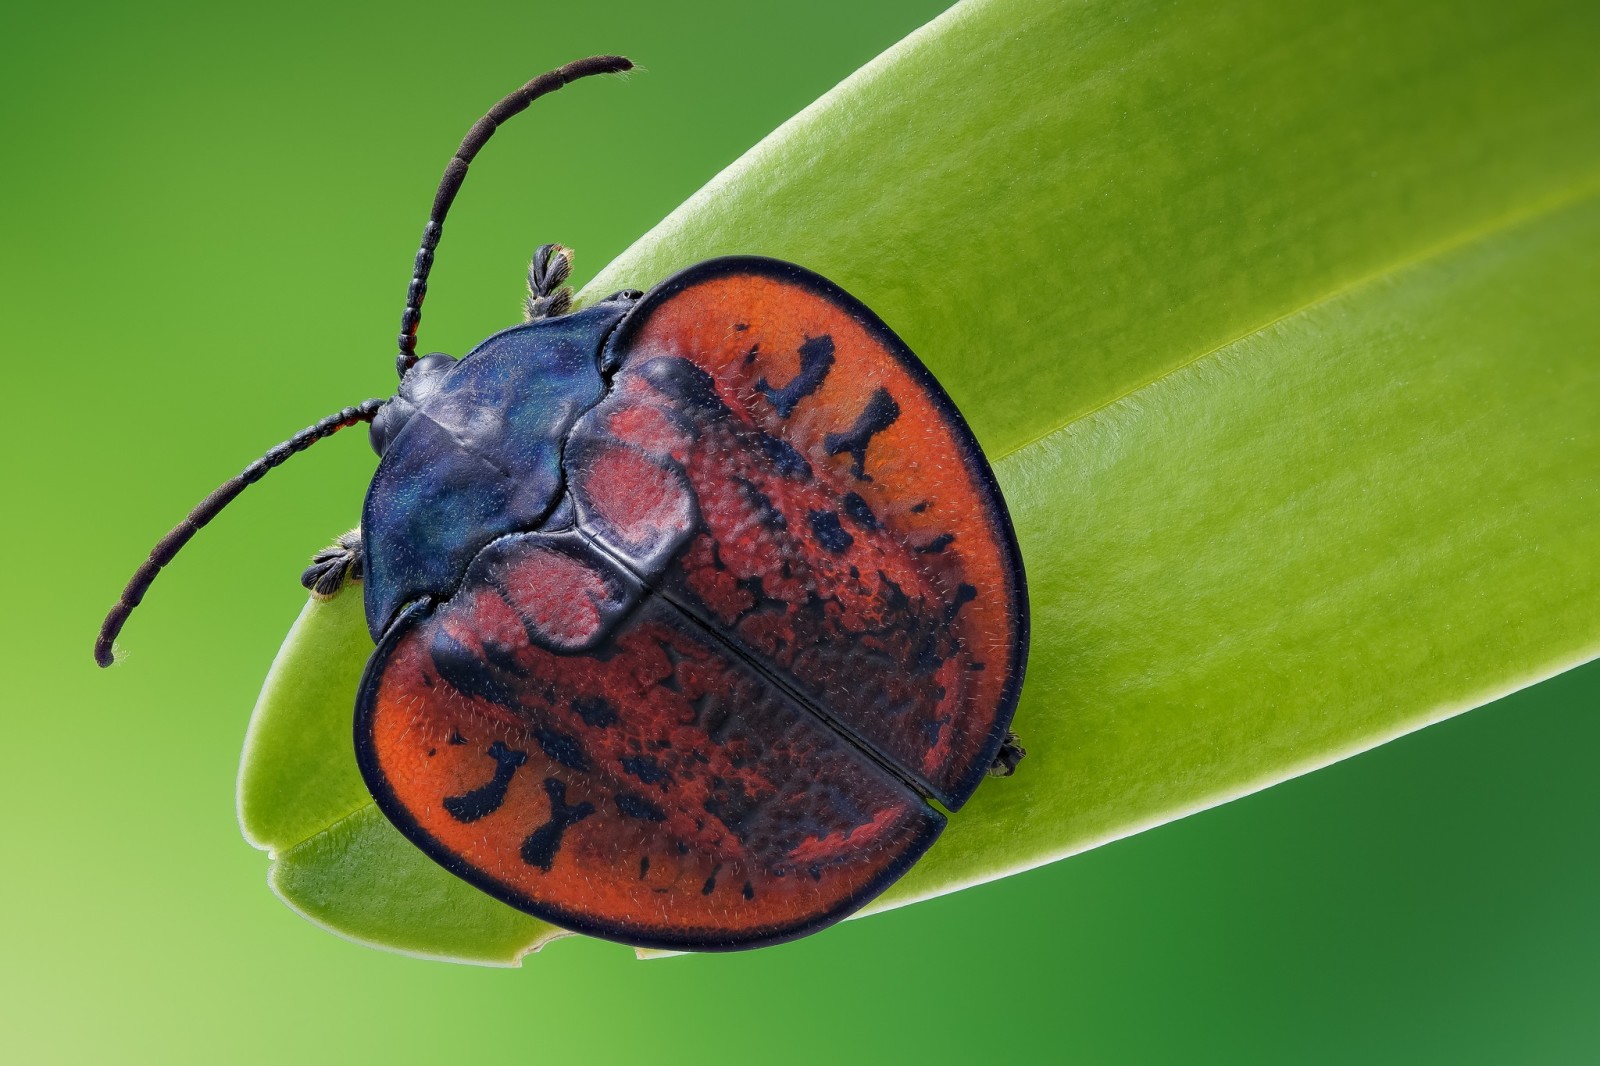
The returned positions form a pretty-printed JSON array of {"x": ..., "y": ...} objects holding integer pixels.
[
  {"x": 456, "y": 172},
  {"x": 208, "y": 509}
]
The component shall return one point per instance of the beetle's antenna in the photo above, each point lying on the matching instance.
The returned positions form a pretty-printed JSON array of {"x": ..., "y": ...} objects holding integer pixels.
[
  {"x": 456, "y": 172},
  {"x": 208, "y": 509}
]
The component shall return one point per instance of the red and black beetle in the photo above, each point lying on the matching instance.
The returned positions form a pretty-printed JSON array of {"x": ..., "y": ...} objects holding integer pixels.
[{"x": 686, "y": 604}]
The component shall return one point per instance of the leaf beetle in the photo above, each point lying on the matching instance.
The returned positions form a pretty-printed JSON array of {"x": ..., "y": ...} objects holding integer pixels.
[{"x": 688, "y": 605}]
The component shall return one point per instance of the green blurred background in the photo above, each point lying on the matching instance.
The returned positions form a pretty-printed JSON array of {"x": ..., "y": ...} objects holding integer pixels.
[{"x": 212, "y": 211}]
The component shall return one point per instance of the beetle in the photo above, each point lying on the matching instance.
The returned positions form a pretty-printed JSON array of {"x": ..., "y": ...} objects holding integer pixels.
[{"x": 688, "y": 605}]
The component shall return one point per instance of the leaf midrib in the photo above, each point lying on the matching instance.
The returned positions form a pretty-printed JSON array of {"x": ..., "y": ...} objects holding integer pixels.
[{"x": 275, "y": 851}]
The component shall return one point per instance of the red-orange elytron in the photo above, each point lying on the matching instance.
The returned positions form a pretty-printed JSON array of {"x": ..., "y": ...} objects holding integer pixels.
[{"x": 687, "y": 604}]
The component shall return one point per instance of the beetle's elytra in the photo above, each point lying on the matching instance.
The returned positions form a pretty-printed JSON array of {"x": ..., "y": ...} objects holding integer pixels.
[{"x": 687, "y": 604}]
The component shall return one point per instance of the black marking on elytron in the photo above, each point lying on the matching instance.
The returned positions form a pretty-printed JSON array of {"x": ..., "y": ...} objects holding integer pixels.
[
  {"x": 712, "y": 716},
  {"x": 965, "y": 593},
  {"x": 731, "y": 805},
  {"x": 760, "y": 503},
  {"x": 645, "y": 768},
  {"x": 879, "y": 414},
  {"x": 816, "y": 359},
  {"x": 918, "y": 508},
  {"x": 503, "y": 657},
  {"x": 789, "y": 462},
  {"x": 596, "y": 711},
  {"x": 898, "y": 710},
  {"x": 829, "y": 533},
  {"x": 463, "y": 670},
  {"x": 711, "y": 882},
  {"x": 741, "y": 326},
  {"x": 937, "y": 544},
  {"x": 897, "y": 601},
  {"x": 976, "y": 666},
  {"x": 698, "y": 705},
  {"x": 750, "y": 356},
  {"x": 540, "y": 848},
  {"x": 562, "y": 747},
  {"x": 432, "y": 752},
  {"x": 486, "y": 799},
  {"x": 684, "y": 382},
  {"x": 674, "y": 657},
  {"x": 633, "y": 805},
  {"x": 748, "y": 891},
  {"x": 759, "y": 600},
  {"x": 644, "y": 866},
  {"x": 860, "y": 513},
  {"x": 456, "y": 738},
  {"x": 717, "y": 722}
]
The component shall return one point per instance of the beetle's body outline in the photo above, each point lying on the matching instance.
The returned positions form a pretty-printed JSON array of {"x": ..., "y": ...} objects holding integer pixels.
[{"x": 711, "y": 583}]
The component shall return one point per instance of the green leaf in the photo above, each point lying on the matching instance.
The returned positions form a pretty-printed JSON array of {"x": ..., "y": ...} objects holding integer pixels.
[
  {"x": 1279, "y": 325},
  {"x": 336, "y": 859}
]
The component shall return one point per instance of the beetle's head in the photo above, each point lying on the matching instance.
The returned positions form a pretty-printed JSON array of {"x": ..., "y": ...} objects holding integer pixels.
[{"x": 421, "y": 381}]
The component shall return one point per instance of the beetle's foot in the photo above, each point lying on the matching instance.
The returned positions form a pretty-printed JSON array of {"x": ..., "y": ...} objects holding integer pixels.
[
  {"x": 548, "y": 295},
  {"x": 1011, "y": 752},
  {"x": 334, "y": 565}
]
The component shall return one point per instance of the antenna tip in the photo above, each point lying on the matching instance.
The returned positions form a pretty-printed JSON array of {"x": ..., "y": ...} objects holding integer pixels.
[{"x": 598, "y": 65}]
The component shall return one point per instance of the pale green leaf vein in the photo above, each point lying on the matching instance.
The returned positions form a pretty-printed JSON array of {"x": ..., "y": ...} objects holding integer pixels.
[
  {"x": 278, "y": 852},
  {"x": 1553, "y": 204}
]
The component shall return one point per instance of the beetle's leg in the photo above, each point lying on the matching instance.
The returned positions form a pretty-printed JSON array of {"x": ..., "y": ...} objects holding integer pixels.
[
  {"x": 1005, "y": 760},
  {"x": 548, "y": 296},
  {"x": 331, "y": 567}
]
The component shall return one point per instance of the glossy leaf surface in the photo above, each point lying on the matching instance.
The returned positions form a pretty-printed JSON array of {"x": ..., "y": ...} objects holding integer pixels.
[{"x": 1279, "y": 328}]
